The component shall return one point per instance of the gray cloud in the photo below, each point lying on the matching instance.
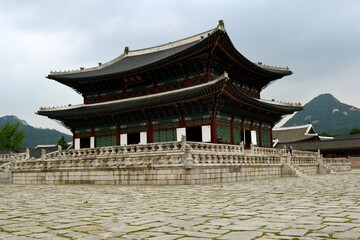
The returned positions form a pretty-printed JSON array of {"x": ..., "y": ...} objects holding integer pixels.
[{"x": 318, "y": 40}]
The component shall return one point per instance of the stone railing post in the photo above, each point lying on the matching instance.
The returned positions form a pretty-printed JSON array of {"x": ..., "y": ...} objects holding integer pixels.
[
  {"x": 242, "y": 148},
  {"x": 43, "y": 154},
  {"x": 59, "y": 151},
  {"x": 27, "y": 156},
  {"x": 252, "y": 149},
  {"x": 288, "y": 158},
  {"x": 320, "y": 158},
  {"x": 183, "y": 142},
  {"x": 188, "y": 160}
]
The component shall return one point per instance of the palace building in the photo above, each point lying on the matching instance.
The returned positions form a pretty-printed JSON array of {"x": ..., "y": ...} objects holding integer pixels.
[{"x": 200, "y": 87}]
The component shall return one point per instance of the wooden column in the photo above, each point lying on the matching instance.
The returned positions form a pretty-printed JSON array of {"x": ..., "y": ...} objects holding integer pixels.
[
  {"x": 118, "y": 132},
  {"x": 213, "y": 130},
  {"x": 187, "y": 82},
  {"x": 207, "y": 77},
  {"x": 150, "y": 132}
]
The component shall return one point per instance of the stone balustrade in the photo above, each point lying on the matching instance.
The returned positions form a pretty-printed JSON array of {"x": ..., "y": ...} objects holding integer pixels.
[
  {"x": 265, "y": 151},
  {"x": 301, "y": 160},
  {"x": 337, "y": 161},
  {"x": 152, "y": 155},
  {"x": 13, "y": 156},
  {"x": 163, "y": 163},
  {"x": 305, "y": 153},
  {"x": 152, "y": 160},
  {"x": 233, "y": 159},
  {"x": 161, "y": 154},
  {"x": 338, "y": 164},
  {"x": 5, "y": 166},
  {"x": 220, "y": 148},
  {"x": 86, "y": 153},
  {"x": 4, "y": 157}
]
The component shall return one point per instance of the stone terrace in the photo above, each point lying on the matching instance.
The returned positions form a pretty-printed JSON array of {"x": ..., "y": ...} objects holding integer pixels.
[
  {"x": 316, "y": 207},
  {"x": 164, "y": 163}
]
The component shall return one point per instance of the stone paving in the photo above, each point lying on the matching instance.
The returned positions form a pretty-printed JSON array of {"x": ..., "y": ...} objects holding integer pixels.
[{"x": 316, "y": 207}]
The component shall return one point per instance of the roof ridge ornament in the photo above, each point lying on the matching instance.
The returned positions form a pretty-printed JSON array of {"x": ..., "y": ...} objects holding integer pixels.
[
  {"x": 221, "y": 25},
  {"x": 225, "y": 75}
]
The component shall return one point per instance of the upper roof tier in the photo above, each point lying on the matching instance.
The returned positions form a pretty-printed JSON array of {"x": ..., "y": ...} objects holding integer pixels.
[{"x": 131, "y": 62}]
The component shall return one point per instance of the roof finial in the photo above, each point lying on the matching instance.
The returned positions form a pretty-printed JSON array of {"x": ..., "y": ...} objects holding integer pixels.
[
  {"x": 221, "y": 24},
  {"x": 126, "y": 50}
]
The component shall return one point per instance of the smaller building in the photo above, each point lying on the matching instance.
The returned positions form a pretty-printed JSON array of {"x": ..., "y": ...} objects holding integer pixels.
[
  {"x": 294, "y": 134},
  {"x": 305, "y": 138}
]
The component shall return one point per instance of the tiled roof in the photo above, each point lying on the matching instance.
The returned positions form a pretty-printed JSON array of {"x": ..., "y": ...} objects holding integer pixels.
[
  {"x": 135, "y": 59},
  {"x": 294, "y": 134},
  {"x": 351, "y": 142},
  {"x": 164, "y": 99}
]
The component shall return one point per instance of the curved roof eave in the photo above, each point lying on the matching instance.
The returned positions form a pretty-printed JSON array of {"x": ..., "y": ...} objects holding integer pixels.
[
  {"x": 136, "y": 59},
  {"x": 268, "y": 70},
  {"x": 142, "y": 59},
  {"x": 213, "y": 87}
]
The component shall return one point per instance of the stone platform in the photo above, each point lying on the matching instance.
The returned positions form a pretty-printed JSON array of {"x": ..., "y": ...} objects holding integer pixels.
[
  {"x": 318, "y": 207},
  {"x": 171, "y": 163}
]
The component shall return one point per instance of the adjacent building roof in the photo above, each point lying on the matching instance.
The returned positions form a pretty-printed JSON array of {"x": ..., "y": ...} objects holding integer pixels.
[
  {"x": 344, "y": 143},
  {"x": 295, "y": 133}
]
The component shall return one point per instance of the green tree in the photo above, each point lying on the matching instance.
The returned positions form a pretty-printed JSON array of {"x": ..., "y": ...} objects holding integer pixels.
[
  {"x": 325, "y": 134},
  {"x": 11, "y": 136},
  {"x": 354, "y": 131},
  {"x": 63, "y": 143}
]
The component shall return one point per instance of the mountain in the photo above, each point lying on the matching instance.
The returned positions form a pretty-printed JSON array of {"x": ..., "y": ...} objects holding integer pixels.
[
  {"x": 327, "y": 114},
  {"x": 35, "y": 136}
]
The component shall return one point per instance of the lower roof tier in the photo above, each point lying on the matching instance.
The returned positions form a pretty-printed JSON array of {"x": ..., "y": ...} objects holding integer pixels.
[{"x": 219, "y": 95}]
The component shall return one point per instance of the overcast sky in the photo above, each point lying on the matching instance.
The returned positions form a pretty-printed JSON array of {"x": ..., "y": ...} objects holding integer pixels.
[{"x": 318, "y": 40}]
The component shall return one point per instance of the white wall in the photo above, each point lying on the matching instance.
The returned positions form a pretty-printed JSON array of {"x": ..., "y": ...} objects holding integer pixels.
[
  {"x": 253, "y": 137},
  {"x": 143, "y": 137},
  {"x": 179, "y": 133},
  {"x": 123, "y": 139},
  {"x": 77, "y": 143},
  {"x": 206, "y": 133},
  {"x": 92, "y": 142}
]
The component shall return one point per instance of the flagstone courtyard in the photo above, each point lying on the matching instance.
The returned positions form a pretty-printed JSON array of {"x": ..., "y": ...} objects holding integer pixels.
[{"x": 314, "y": 207}]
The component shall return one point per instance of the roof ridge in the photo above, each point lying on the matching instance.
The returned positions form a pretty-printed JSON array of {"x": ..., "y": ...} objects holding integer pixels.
[
  {"x": 176, "y": 43},
  {"x": 293, "y": 127}
]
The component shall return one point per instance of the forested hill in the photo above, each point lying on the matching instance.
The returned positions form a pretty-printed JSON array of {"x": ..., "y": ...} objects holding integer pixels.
[
  {"x": 327, "y": 114},
  {"x": 35, "y": 136}
]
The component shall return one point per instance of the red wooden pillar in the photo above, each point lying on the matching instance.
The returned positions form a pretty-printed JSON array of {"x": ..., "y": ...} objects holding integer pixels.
[
  {"x": 187, "y": 82},
  {"x": 207, "y": 77},
  {"x": 150, "y": 132},
  {"x": 213, "y": 130},
  {"x": 118, "y": 132}
]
